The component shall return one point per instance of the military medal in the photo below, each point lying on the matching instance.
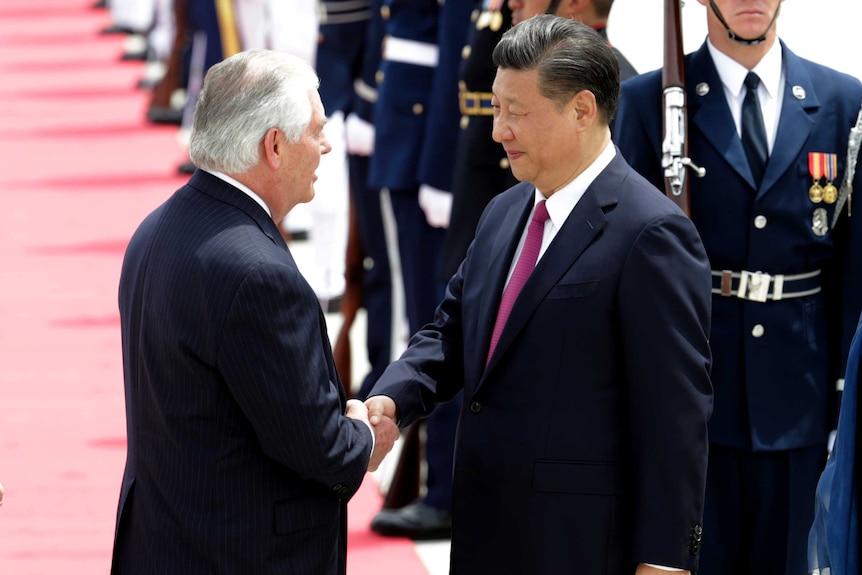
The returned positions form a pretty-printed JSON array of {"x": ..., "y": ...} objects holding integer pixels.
[
  {"x": 830, "y": 192},
  {"x": 822, "y": 165},
  {"x": 819, "y": 224},
  {"x": 496, "y": 21},
  {"x": 815, "y": 193},
  {"x": 490, "y": 16}
]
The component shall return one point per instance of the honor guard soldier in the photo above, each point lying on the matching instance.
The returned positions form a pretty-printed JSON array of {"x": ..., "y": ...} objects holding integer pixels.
[
  {"x": 417, "y": 130},
  {"x": 771, "y": 130},
  {"x": 375, "y": 280}
]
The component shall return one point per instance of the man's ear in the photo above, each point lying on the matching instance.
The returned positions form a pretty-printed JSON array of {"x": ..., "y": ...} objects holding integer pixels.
[
  {"x": 273, "y": 148},
  {"x": 584, "y": 107}
]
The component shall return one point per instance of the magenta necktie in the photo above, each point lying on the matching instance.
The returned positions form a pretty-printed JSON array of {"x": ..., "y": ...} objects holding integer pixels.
[{"x": 523, "y": 269}]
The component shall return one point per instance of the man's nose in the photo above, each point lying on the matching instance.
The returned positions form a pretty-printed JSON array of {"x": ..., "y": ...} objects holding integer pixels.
[{"x": 500, "y": 131}]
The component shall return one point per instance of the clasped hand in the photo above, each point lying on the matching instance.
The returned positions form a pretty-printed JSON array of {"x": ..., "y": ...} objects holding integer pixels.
[{"x": 382, "y": 422}]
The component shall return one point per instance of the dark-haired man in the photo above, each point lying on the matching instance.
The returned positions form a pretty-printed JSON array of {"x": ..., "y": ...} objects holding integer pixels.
[{"x": 581, "y": 446}]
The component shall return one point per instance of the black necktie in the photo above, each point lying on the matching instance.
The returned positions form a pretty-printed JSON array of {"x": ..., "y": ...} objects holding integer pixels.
[{"x": 753, "y": 132}]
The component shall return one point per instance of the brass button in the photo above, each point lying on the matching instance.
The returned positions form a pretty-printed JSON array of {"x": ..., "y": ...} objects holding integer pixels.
[
  {"x": 757, "y": 331},
  {"x": 418, "y": 108},
  {"x": 384, "y": 12},
  {"x": 474, "y": 16},
  {"x": 465, "y": 52},
  {"x": 465, "y": 121},
  {"x": 504, "y": 163},
  {"x": 760, "y": 222},
  {"x": 462, "y": 85},
  {"x": 378, "y": 77}
]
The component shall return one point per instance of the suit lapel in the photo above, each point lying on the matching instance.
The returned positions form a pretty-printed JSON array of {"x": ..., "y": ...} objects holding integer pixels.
[
  {"x": 795, "y": 124},
  {"x": 580, "y": 229},
  {"x": 711, "y": 114}
]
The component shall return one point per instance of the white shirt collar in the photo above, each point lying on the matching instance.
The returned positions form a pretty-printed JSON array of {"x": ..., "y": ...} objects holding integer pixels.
[
  {"x": 563, "y": 201},
  {"x": 732, "y": 73},
  {"x": 241, "y": 187}
]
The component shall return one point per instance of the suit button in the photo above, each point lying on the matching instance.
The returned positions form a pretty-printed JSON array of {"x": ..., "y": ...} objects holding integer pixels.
[
  {"x": 465, "y": 52},
  {"x": 378, "y": 76},
  {"x": 384, "y": 12},
  {"x": 474, "y": 16},
  {"x": 760, "y": 222},
  {"x": 475, "y": 407},
  {"x": 757, "y": 331},
  {"x": 418, "y": 108},
  {"x": 465, "y": 121},
  {"x": 698, "y": 530},
  {"x": 504, "y": 163}
]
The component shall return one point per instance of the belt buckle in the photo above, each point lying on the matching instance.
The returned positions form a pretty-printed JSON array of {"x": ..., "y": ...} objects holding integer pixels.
[{"x": 753, "y": 286}]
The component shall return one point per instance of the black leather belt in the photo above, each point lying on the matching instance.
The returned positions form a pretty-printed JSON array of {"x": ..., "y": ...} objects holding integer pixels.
[{"x": 759, "y": 286}]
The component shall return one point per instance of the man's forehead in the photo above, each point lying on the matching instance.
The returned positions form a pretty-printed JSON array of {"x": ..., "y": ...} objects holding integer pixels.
[{"x": 507, "y": 81}]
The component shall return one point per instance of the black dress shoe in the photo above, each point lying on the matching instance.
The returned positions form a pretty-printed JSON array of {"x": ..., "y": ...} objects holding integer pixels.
[
  {"x": 415, "y": 521},
  {"x": 165, "y": 115},
  {"x": 114, "y": 29},
  {"x": 187, "y": 167},
  {"x": 134, "y": 56}
]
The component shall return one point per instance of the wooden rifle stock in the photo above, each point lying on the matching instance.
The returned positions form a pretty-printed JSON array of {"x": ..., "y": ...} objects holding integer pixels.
[
  {"x": 675, "y": 143},
  {"x": 351, "y": 301}
]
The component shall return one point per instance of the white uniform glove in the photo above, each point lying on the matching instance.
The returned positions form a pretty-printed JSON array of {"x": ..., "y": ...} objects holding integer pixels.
[
  {"x": 436, "y": 204},
  {"x": 360, "y": 136}
]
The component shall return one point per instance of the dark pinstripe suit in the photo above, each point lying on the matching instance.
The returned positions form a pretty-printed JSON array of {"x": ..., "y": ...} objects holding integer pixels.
[{"x": 239, "y": 457}]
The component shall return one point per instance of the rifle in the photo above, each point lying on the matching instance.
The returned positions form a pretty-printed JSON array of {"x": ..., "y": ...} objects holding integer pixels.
[
  {"x": 352, "y": 299},
  {"x": 674, "y": 147}
]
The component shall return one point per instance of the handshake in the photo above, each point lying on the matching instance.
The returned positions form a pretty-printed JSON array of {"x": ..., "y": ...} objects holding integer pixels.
[{"x": 378, "y": 412}]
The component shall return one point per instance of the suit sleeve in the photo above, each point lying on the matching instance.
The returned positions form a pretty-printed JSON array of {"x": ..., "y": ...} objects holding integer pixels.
[
  {"x": 665, "y": 313},
  {"x": 276, "y": 360},
  {"x": 431, "y": 369}
]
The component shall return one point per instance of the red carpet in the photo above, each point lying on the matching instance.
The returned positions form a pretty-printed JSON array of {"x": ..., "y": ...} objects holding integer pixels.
[{"x": 79, "y": 168}]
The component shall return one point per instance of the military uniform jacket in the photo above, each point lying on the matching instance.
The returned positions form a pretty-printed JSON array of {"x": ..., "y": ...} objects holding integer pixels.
[
  {"x": 581, "y": 446},
  {"x": 403, "y": 95},
  {"x": 775, "y": 362},
  {"x": 481, "y": 168}
]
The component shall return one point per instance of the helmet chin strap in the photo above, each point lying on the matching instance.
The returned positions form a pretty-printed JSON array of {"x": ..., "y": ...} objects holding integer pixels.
[{"x": 733, "y": 36}]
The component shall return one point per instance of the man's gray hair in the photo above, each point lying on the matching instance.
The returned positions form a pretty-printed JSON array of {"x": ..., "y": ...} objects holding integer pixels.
[
  {"x": 243, "y": 97},
  {"x": 570, "y": 57}
]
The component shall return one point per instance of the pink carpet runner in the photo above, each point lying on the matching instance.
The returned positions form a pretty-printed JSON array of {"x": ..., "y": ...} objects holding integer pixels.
[{"x": 79, "y": 168}]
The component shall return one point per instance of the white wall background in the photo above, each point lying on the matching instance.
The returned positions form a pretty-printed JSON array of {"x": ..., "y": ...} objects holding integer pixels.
[{"x": 826, "y": 31}]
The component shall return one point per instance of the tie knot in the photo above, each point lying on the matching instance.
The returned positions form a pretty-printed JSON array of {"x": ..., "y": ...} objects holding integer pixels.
[
  {"x": 541, "y": 213},
  {"x": 752, "y": 81}
]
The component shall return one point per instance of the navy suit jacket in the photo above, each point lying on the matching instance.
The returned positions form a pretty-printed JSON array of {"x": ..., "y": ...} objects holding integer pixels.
[
  {"x": 581, "y": 447},
  {"x": 773, "y": 391},
  {"x": 239, "y": 457}
]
